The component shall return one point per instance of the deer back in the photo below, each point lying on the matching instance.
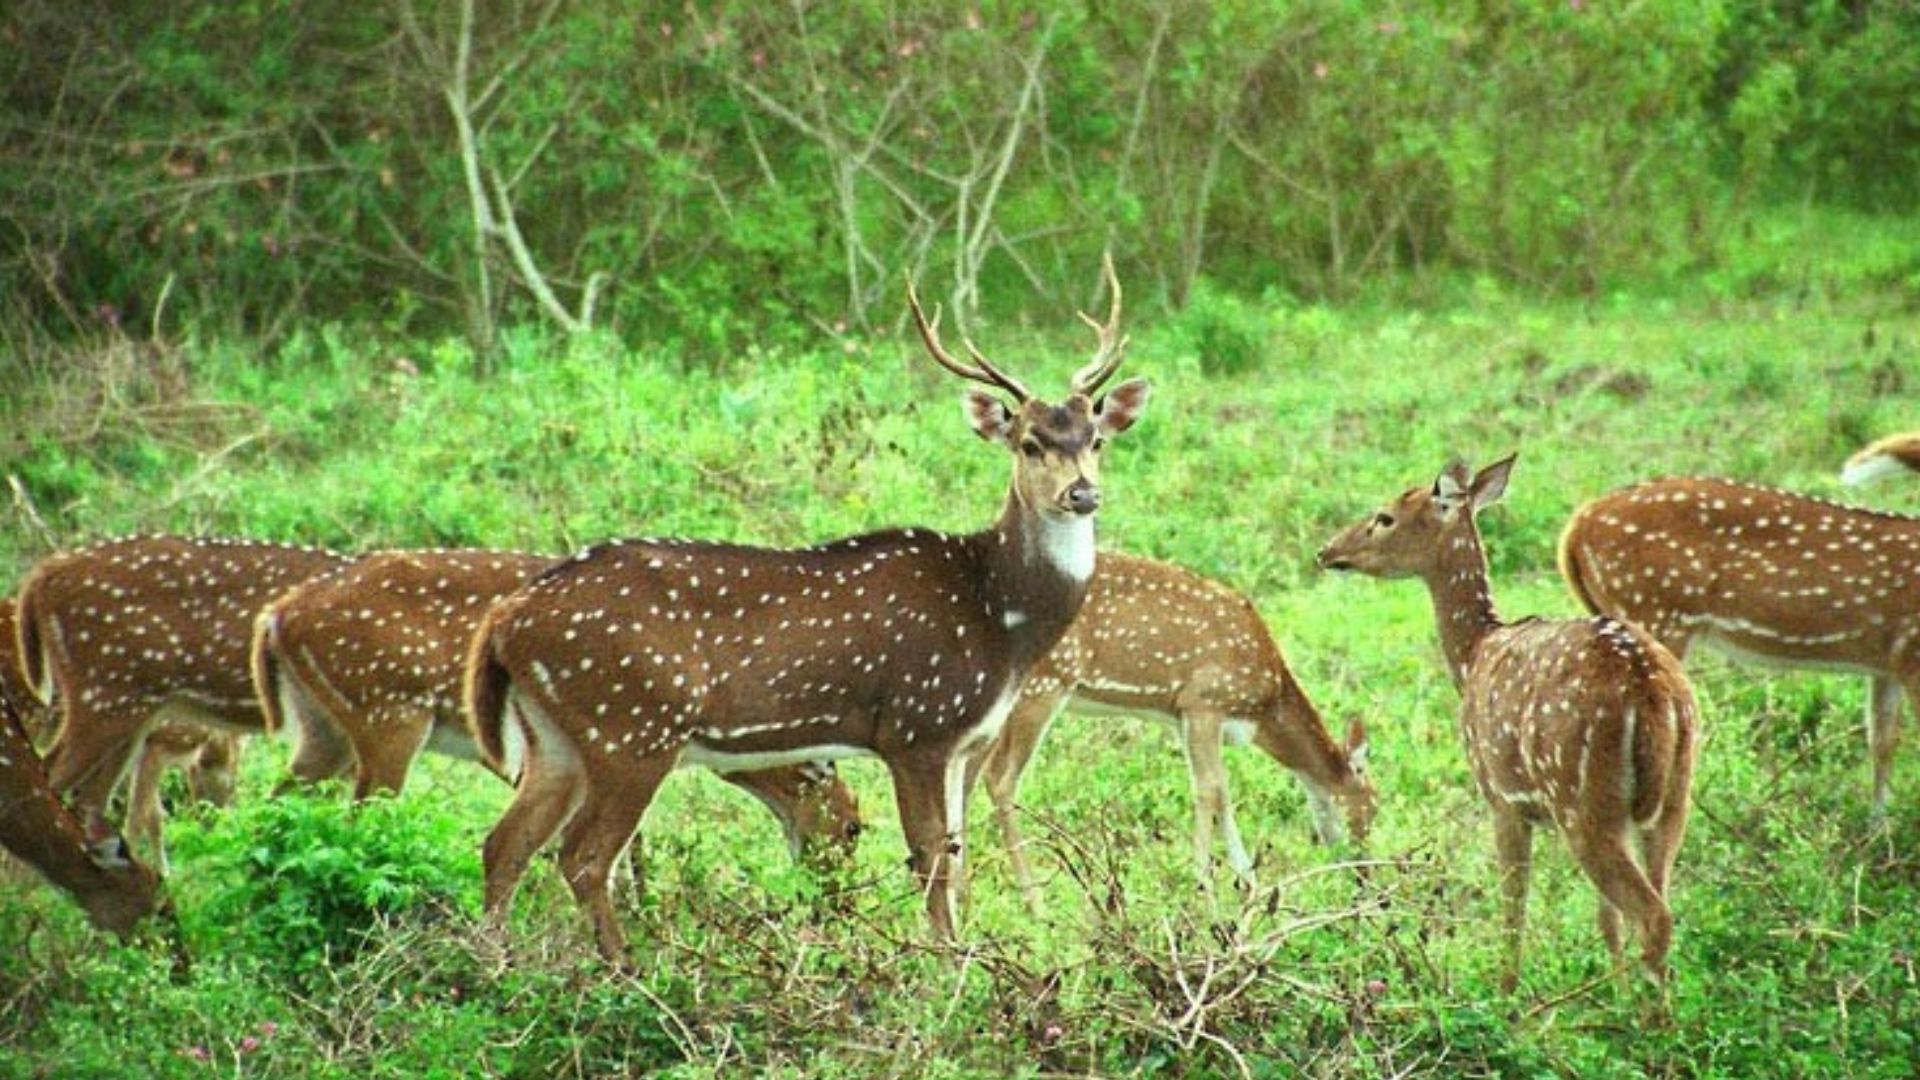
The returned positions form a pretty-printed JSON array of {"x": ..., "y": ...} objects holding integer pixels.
[
  {"x": 390, "y": 629},
  {"x": 141, "y": 620},
  {"x": 1755, "y": 569},
  {"x": 1562, "y": 716}
]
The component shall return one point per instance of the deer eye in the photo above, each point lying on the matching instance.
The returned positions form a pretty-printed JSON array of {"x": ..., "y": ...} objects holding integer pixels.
[
  {"x": 1031, "y": 448},
  {"x": 1099, "y": 443},
  {"x": 1383, "y": 520}
]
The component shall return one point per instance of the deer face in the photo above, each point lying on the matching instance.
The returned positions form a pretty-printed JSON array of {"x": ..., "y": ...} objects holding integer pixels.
[
  {"x": 135, "y": 892},
  {"x": 1056, "y": 448},
  {"x": 1402, "y": 538},
  {"x": 824, "y": 826}
]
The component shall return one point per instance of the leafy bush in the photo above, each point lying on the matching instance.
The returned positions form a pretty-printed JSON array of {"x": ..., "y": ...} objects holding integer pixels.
[{"x": 302, "y": 880}]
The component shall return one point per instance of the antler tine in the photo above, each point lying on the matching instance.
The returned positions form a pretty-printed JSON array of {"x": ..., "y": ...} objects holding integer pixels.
[
  {"x": 1013, "y": 385},
  {"x": 1113, "y": 344},
  {"x": 984, "y": 372}
]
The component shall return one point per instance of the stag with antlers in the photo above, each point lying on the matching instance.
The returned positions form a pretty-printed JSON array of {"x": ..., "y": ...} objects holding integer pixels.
[{"x": 598, "y": 678}]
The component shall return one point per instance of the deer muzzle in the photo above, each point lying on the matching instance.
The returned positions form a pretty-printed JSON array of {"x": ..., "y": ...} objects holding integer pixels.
[
  {"x": 1331, "y": 560},
  {"x": 1082, "y": 497}
]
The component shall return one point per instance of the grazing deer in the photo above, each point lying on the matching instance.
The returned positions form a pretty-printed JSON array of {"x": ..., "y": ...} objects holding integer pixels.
[
  {"x": 594, "y": 681},
  {"x": 362, "y": 666},
  {"x": 1155, "y": 639},
  {"x": 125, "y": 632},
  {"x": 1762, "y": 575},
  {"x": 1892, "y": 456},
  {"x": 1587, "y": 723},
  {"x": 96, "y": 869},
  {"x": 209, "y": 758}
]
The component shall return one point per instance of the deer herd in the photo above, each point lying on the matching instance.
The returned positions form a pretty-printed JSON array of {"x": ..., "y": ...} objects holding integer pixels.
[{"x": 583, "y": 682}]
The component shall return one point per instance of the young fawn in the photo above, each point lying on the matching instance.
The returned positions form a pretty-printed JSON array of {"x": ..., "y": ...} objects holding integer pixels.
[
  {"x": 1588, "y": 724},
  {"x": 596, "y": 680},
  {"x": 1158, "y": 640}
]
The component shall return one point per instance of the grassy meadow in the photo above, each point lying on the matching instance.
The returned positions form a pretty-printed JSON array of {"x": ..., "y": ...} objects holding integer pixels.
[{"x": 330, "y": 942}]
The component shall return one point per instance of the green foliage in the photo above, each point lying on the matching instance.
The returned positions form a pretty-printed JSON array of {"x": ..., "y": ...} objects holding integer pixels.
[
  {"x": 330, "y": 941},
  {"x": 752, "y": 173},
  {"x": 304, "y": 880},
  {"x": 1829, "y": 87}
]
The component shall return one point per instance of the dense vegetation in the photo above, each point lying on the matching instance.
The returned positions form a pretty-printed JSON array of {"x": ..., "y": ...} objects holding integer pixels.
[
  {"x": 243, "y": 293},
  {"x": 329, "y": 942},
  {"x": 723, "y": 174}
]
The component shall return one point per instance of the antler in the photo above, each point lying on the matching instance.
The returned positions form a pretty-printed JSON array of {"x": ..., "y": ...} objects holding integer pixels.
[
  {"x": 1113, "y": 344},
  {"x": 983, "y": 371}
]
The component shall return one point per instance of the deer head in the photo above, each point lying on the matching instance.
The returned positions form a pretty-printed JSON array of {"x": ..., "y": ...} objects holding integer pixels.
[
  {"x": 1401, "y": 539},
  {"x": 1056, "y": 448}
]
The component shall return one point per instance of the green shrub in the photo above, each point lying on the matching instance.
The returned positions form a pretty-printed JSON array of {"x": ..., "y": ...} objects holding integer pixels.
[{"x": 303, "y": 880}]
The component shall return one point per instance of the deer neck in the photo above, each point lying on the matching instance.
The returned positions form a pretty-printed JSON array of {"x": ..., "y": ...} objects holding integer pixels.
[
  {"x": 1462, "y": 600},
  {"x": 1037, "y": 570}
]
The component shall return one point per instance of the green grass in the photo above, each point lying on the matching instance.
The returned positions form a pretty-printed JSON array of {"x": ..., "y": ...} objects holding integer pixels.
[{"x": 1797, "y": 926}]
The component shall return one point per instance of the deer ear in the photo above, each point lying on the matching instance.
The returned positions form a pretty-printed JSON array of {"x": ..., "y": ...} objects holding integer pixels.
[
  {"x": 110, "y": 853},
  {"x": 1492, "y": 482},
  {"x": 989, "y": 417},
  {"x": 1451, "y": 487},
  {"x": 1119, "y": 407},
  {"x": 1356, "y": 745}
]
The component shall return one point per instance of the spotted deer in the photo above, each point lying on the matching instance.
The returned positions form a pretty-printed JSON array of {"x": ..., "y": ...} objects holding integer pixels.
[
  {"x": 1158, "y": 640},
  {"x": 595, "y": 680},
  {"x": 1586, "y": 723},
  {"x": 1761, "y": 575},
  {"x": 210, "y": 759},
  {"x": 361, "y": 667},
  {"x": 126, "y": 633},
  {"x": 97, "y": 869},
  {"x": 1894, "y": 455}
]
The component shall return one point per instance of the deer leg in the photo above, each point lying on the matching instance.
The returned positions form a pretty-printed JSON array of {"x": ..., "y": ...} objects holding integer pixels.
[
  {"x": 386, "y": 747},
  {"x": 600, "y": 832},
  {"x": 214, "y": 772},
  {"x": 548, "y": 794},
  {"x": 919, "y": 788},
  {"x": 1513, "y": 845},
  {"x": 319, "y": 753},
  {"x": 91, "y": 753},
  {"x": 1608, "y": 918},
  {"x": 1608, "y": 862},
  {"x": 1211, "y": 802},
  {"x": 1660, "y": 842},
  {"x": 1004, "y": 763},
  {"x": 145, "y": 815},
  {"x": 1883, "y": 735}
]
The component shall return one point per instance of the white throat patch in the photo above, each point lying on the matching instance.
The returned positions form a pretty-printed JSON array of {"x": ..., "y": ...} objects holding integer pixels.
[{"x": 1068, "y": 544}]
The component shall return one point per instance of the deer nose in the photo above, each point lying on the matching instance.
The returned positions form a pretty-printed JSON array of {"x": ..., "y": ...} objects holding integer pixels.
[
  {"x": 1083, "y": 497},
  {"x": 1329, "y": 561}
]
